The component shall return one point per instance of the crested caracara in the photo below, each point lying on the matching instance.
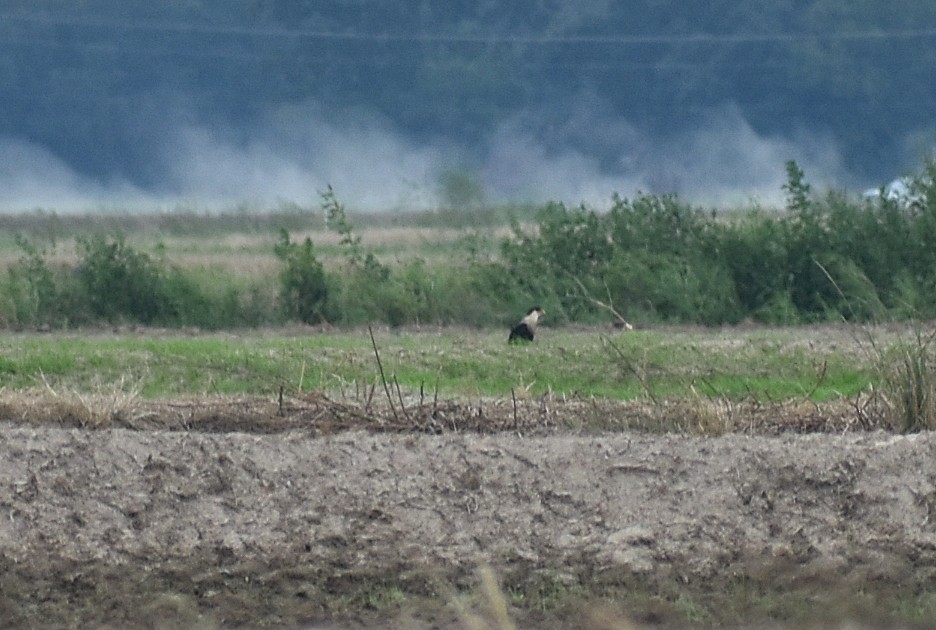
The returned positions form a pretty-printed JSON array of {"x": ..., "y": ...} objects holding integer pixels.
[{"x": 524, "y": 330}]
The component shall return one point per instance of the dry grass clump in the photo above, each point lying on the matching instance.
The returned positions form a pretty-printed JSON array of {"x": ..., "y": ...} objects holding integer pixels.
[
  {"x": 112, "y": 404},
  {"x": 717, "y": 415},
  {"x": 909, "y": 377},
  {"x": 904, "y": 398}
]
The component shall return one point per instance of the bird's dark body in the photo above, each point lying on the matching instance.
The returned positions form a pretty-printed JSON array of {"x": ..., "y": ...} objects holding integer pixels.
[{"x": 520, "y": 332}]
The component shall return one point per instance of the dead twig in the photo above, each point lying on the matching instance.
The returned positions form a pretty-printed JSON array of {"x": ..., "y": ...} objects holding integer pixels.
[
  {"x": 621, "y": 321},
  {"x": 513, "y": 395},
  {"x": 820, "y": 379},
  {"x": 369, "y": 392},
  {"x": 400, "y": 397},
  {"x": 383, "y": 378}
]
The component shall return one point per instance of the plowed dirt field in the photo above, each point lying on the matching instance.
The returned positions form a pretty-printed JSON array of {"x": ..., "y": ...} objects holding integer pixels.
[{"x": 252, "y": 515}]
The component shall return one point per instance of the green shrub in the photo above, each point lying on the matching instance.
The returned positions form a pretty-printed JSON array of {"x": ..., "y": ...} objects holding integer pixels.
[
  {"x": 777, "y": 310},
  {"x": 856, "y": 297},
  {"x": 121, "y": 283},
  {"x": 753, "y": 251},
  {"x": 202, "y": 299},
  {"x": 303, "y": 289}
]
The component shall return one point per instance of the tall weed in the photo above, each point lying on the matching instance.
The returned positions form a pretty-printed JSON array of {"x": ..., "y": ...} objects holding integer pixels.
[{"x": 910, "y": 383}]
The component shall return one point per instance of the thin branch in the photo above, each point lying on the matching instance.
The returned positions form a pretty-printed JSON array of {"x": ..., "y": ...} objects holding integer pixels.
[
  {"x": 819, "y": 380},
  {"x": 383, "y": 378},
  {"x": 514, "y": 397},
  {"x": 626, "y": 325},
  {"x": 400, "y": 396},
  {"x": 369, "y": 393}
]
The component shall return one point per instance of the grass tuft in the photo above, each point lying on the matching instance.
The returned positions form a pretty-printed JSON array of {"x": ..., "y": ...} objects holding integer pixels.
[{"x": 909, "y": 376}]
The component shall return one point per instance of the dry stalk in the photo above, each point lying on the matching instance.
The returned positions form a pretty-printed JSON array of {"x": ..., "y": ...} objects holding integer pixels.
[
  {"x": 820, "y": 379},
  {"x": 369, "y": 396},
  {"x": 383, "y": 377},
  {"x": 513, "y": 395},
  {"x": 495, "y": 615},
  {"x": 495, "y": 600},
  {"x": 608, "y": 306},
  {"x": 396, "y": 383}
]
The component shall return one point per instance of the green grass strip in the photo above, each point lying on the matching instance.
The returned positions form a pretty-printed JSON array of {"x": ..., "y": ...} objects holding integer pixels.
[{"x": 759, "y": 365}]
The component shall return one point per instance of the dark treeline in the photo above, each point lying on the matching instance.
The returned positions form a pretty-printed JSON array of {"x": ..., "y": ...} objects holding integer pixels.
[
  {"x": 101, "y": 83},
  {"x": 652, "y": 259}
]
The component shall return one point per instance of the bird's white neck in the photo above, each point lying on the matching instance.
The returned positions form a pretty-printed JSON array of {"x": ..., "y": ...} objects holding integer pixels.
[{"x": 531, "y": 319}]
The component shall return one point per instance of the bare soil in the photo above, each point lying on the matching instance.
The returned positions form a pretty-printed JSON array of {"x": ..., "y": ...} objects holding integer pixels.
[{"x": 309, "y": 512}]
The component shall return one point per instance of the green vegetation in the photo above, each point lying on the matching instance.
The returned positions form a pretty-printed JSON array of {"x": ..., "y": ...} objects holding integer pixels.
[
  {"x": 649, "y": 260},
  {"x": 302, "y": 281},
  {"x": 657, "y": 259},
  {"x": 757, "y": 365}
]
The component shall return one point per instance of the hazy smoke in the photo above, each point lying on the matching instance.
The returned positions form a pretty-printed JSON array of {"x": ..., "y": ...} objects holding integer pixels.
[
  {"x": 294, "y": 152},
  {"x": 724, "y": 162},
  {"x": 31, "y": 178}
]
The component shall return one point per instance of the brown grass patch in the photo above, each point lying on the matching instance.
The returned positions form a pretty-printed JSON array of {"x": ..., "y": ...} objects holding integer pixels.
[{"x": 320, "y": 413}]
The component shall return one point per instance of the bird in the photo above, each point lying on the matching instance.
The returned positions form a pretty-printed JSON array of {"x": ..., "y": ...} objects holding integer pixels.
[{"x": 525, "y": 328}]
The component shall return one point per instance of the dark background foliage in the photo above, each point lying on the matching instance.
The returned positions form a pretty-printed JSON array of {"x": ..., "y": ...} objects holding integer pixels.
[{"x": 101, "y": 83}]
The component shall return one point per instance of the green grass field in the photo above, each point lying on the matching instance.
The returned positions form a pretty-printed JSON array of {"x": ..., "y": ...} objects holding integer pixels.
[{"x": 763, "y": 364}]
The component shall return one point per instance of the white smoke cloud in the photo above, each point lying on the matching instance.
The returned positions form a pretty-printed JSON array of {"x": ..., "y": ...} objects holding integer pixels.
[
  {"x": 519, "y": 167},
  {"x": 295, "y": 151},
  {"x": 31, "y": 178},
  {"x": 724, "y": 162}
]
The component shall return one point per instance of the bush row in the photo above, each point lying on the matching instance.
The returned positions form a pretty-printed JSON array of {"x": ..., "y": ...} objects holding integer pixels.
[
  {"x": 655, "y": 258},
  {"x": 114, "y": 283},
  {"x": 648, "y": 259}
]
